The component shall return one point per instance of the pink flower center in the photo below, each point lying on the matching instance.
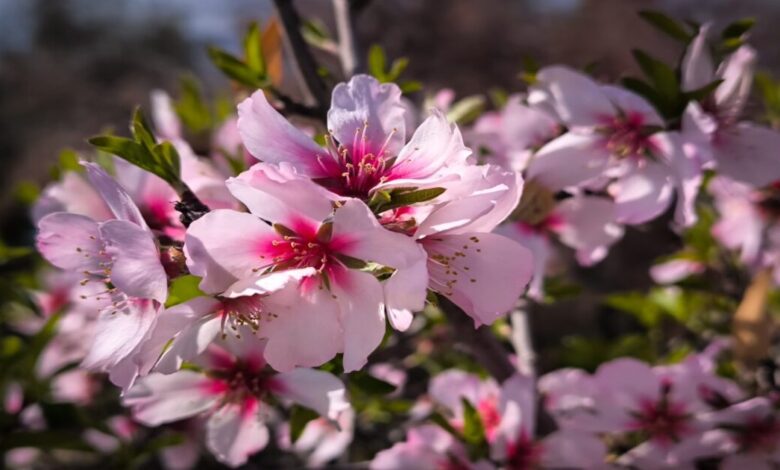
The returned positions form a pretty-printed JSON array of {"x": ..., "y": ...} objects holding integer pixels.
[
  {"x": 488, "y": 412},
  {"x": 661, "y": 419},
  {"x": 239, "y": 380},
  {"x": 761, "y": 434},
  {"x": 626, "y": 135},
  {"x": 241, "y": 311},
  {"x": 523, "y": 454},
  {"x": 357, "y": 168}
]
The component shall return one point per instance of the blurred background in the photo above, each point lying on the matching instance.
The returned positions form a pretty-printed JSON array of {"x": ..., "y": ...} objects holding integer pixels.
[{"x": 71, "y": 68}]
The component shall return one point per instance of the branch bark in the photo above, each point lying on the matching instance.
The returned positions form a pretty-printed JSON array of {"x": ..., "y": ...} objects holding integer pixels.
[
  {"x": 348, "y": 53},
  {"x": 304, "y": 60},
  {"x": 521, "y": 340},
  {"x": 481, "y": 343}
]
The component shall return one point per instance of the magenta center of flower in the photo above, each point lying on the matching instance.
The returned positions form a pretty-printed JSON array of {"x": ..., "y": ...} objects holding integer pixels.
[
  {"x": 241, "y": 311},
  {"x": 488, "y": 412},
  {"x": 626, "y": 135},
  {"x": 760, "y": 434},
  {"x": 239, "y": 380},
  {"x": 661, "y": 419},
  {"x": 523, "y": 454},
  {"x": 357, "y": 167}
]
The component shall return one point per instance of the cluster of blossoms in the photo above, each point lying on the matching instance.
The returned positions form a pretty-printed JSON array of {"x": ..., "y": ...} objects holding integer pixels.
[
  {"x": 304, "y": 255},
  {"x": 625, "y": 415}
]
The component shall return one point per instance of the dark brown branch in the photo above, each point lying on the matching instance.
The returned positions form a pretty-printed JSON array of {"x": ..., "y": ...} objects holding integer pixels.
[
  {"x": 303, "y": 56},
  {"x": 481, "y": 343}
]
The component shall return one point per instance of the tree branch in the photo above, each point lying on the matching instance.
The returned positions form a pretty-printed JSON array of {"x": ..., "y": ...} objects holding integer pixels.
[
  {"x": 521, "y": 340},
  {"x": 304, "y": 60},
  {"x": 345, "y": 24},
  {"x": 481, "y": 343}
]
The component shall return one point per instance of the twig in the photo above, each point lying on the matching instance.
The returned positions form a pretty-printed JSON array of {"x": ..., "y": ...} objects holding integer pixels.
[
  {"x": 350, "y": 61},
  {"x": 485, "y": 348},
  {"x": 293, "y": 107},
  {"x": 302, "y": 56},
  {"x": 521, "y": 340}
]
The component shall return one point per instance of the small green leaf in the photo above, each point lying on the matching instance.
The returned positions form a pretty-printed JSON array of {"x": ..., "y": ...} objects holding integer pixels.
[
  {"x": 443, "y": 423},
  {"x": 662, "y": 76},
  {"x": 398, "y": 67},
  {"x": 702, "y": 93},
  {"x": 407, "y": 197},
  {"x": 377, "y": 62},
  {"x": 168, "y": 159},
  {"x": 467, "y": 109},
  {"x": 410, "y": 86},
  {"x": 141, "y": 130},
  {"x": 236, "y": 69},
  {"x": 182, "y": 289},
  {"x": 299, "y": 418},
  {"x": 69, "y": 161},
  {"x": 191, "y": 107},
  {"x": 369, "y": 384},
  {"x": 671, "y": 27},
  {"x": 473, "y": 429},
  {"x": 738, "y": 28},
  {"x": 253, "y": 50}
]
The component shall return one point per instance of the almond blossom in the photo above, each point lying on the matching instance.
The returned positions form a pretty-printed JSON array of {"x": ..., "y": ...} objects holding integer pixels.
[
  {"x": 366, "y": 146},
  {"x": 310, "y": 228},
  {"x": 121, "y": 254},
  {"x": 741, "y": 150},
  {"x": 613, "y": 134},
  {"x": 232, "y": 391}
]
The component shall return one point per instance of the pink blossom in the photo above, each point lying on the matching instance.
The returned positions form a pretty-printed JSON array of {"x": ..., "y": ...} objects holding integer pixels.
[
  {"x": 338, "y": 308},
  {"x": 742, "y": 151},
  {"x": 367, "y": 148},
  {"x": 232, "y": 393},
  {"x": 122, "y": 254},
  {"x": 613, "y": 133},
  {"x": 322, "y": 440}
]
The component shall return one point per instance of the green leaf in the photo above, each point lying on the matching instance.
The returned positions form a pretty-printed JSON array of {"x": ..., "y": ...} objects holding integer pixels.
[
  {"x": 407, "y": 197},
  {"x": 398, "y": 67},
  {"x": 235, "y": 69},
  {"x": 738, "y": 28},
  {"x": 443, "y": 423},
  {"x": 671, "y": 27},
  {"x": 702, "y": 93},
  {"x": 168, "y": 157},
  {"x": 377, "y": 62},
  {"x": 69, "y": 161},
  {"x": 410, "y": 86},
  {"x": 663, "y": 77},
  {"x": 192, "y": 108},
  {"x": 467, "y": 109},
  {"x": 141, "y": 130},
  {"x": 315, "y": 32},
  {"x": 253, "y": 50},
  {"x": 473, "y": 429},
  {"x": 182, "y": 289},
  {"x": 299, "y": 418},
  {"x": 369, "y": 384}
]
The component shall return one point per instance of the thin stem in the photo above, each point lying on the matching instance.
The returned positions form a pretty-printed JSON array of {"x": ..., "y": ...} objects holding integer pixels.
[
  {"x": 481, "y": 343},
  {"x": 348, "y": 54},
  {"x": 302, "y": 56},
  {"x": 521, "y": 340}
]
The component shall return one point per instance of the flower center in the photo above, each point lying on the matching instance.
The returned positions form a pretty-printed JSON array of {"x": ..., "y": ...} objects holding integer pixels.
[
  {"x": 355, "y": 169},
  {"x": 762, "y": 433},
  {"x": 488, "y": 412},
  {"x": 523, "y": 454},
  {"x": 661, "y": 419},
  {"x": 626, "y": 135},
  {"x": 536, "y": 204},
  {"x": 241, "y": 311}
]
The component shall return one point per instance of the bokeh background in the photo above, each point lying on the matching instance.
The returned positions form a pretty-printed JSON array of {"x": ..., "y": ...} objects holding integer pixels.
[{"x": 71, "y": 68}]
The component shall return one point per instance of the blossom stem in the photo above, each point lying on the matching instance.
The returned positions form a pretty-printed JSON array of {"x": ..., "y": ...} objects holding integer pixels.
[
  {"x": 302, "y": 56},
  {"x": 481, "y": 342},
  {"x": 345, "y": 24},
  {"x": 521, "y": 339}
]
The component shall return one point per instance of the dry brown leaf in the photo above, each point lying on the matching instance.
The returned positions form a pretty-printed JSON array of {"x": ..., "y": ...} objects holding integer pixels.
[
  {"x": 272, "y": 50},
  {"x": 752, "y": 326}
]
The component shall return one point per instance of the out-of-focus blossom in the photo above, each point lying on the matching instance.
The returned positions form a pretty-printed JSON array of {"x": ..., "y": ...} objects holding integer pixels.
[{"x": 232, "y": 392}]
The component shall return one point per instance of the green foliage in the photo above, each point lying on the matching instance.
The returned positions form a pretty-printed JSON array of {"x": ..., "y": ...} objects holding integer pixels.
[
  {"x": 378, "y": 67},
  {"x": 589, "y": 353},
  {"x": 466, "y": 110},
  {"x": 770, "y": 97},
  {"x": 252, "y": 70},
  {"x": 192, "y": 108},
  {"x": 671, "y": 27},
  {"x": 182, "y": 289},
  {"x": 299, "y": 418},
  {"x": 666, "y": 95},
  {"x": 366, "y": 383},
  {"x": 733, "y": 35},
  {"x": 142, "y": 150},
  {"x": 383, "y": 201}
]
